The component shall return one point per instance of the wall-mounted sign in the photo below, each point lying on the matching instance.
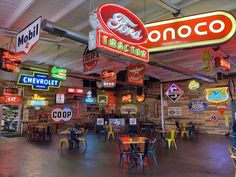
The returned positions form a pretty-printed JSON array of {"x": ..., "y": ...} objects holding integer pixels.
[
  {"x": 60, "y": 98},
  {"x": 75, "y": 90},
  {"x": 174, "y": 92},
  {"x": 193, "y": 85},
  {"x": 140, "y": 98},
  {"x": 28, "y": 37},
  {"x": 222, "y": 63},
  {"x": 9, "y": 61},
  {"x": 192, "y": 31},
  {"x": 37, "y": 103},
  {"x": 58, "y": 73},
  {"x": 102, "y": 99},
  {"x": 136, "y": 73},
  {"x": 206, "y": 59},
  {"x": 108, "y": 79},
  {"x": 126, "y": 98},
  {"x": 89, "y": 98},
  {"x": 90, "y": 59},
  {"x": 174, "y": 111},
  {"x": 217, "y": 95},
  {"x": 12, "y": 89},
  {"x": 59, "y": 114},
  {"x": 213, "y": 117},
  {"x": 37, "y": 97},
  {"x": 221, "y": 109},
  {"x": 12, "y": 100},
  {"x": 38, "y": 81},
  {"x": 197, "y": 106},
  {"x": 129, "y": 109},
  {"x": 119, "y": 31}
]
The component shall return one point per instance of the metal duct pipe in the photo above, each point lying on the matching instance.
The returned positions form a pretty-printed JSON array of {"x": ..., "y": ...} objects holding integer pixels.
[
  {"x": 62, "y": 31},
  {"x": 184, "y": 71}
]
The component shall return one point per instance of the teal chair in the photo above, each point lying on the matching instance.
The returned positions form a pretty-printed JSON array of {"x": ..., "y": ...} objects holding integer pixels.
[{"x": 152, "y": 151}]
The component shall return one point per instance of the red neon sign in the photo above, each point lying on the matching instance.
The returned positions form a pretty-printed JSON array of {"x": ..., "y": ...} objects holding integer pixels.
[
  {"x": 112, "y": 44},
  {"x": 10, "y": 61},
  {"x": 191, "y": 31},
  {"x": 122, "y": 23},
  {"x": 222, "y": 63},
  {"x": 12, "y": 57},
  {"x": 126, "y": 98},
  {"x": 75, "y": 90},
  {"x": 10, "y": 99}
]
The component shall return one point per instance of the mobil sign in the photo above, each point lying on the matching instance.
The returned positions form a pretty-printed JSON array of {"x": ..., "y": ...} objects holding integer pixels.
[
  {"x": 118, "y": 31},
  {"x": 61, "y": 114},
  {"x": 28, "y": 37},
  {"x": 191, "y": 31}
]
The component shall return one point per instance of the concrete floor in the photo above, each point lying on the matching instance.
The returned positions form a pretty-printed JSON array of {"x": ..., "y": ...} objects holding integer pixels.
[{"x": 206, "y": 156}]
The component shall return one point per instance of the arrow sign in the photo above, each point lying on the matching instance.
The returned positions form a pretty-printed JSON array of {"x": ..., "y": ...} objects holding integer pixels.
[{"x": 28, "y": 37}]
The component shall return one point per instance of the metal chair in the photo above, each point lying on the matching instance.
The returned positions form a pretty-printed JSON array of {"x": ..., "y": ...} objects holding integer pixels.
[{"x": 152, "y": 150}]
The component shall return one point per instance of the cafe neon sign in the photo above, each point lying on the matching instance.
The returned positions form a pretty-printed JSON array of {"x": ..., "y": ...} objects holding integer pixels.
[
  {"x": 38, "y": 81},
  {"x": 192, "y": 31},
  {"x": 217, "y": 95},
  {"x": 119, "y": 31},
  {"x": 9, "y": 61}
]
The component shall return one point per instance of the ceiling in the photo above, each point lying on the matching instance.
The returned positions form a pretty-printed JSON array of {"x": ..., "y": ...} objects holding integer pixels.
[{"x": 15, "y": 15}]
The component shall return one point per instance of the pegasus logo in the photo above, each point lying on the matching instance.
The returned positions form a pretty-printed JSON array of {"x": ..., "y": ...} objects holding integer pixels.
[{"x": 136, "y": 70}]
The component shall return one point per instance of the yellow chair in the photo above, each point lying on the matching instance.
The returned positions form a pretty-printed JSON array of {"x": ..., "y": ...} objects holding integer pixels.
[
  {"x": 110, "y": 132},
  {"x": 83, "y": 138},
  {"x": 232, "y": 150},
  {"x": 184, "y": 131},
  {"x": 171, "y": 139}
]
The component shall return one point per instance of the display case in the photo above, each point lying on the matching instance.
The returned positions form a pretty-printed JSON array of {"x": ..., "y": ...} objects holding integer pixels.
[{"x": 10, "y": 117}]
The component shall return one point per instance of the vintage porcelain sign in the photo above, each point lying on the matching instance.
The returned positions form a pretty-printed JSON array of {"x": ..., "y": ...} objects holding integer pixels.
[
  {"x": 136, "y": 73},
  {"x": 119, "y": 31},
  {"x": 197, "y": 106},
  {"x": 28, "y": 37},
  {"x": 129, "y": 109},
  {"x": 174, "y": 92},
  {"x": 192, "y": 31},
  {"x": 193, "y": 85},
  {"x": 221, "y": 109},
  {"x": 217, "y": 95},
  {"x": 59, "y": 114},
  {"x": 38, "y": 81}
]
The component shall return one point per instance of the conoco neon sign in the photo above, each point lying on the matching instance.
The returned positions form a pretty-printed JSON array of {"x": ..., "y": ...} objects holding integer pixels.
[{"x": 192, "y": 31}]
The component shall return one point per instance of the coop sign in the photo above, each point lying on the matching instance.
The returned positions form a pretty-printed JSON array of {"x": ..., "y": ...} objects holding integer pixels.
[
  {"x": 190, "y": 31},
  {"x": 117, "y": 30},
  {"x": 38, "y": 81},
  {"x": 61, "y": 114},
  {"x": 217, "y": 95}
]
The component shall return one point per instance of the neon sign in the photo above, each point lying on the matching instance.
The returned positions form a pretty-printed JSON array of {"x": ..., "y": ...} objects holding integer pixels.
[
  {"x": 108, "y": 79},
  {"x": 117, "y": 30},
  {"x": 9, "y": 61},
  {"x": 58, "y": 73},
  {"x": 222, "y": 63},
  {"x": 192, "y": 31},
  {"x": 217, "y": 95},
  {"x": 126, "y": 98},
  {"x": 140, "y": 98},
  {"x": 38, "y": 81},
  {"x": 75, "y": 90},
  {"x": 10, "y": 99},
  {"x": 193, "y": 85},
  {"x": 89, "y": 98},
  {"x": 37, "y": 97},
  {"x": 174, "y": 92},
  {"x": 102, "y": 99},
  {"x": 37, "y": 103}
]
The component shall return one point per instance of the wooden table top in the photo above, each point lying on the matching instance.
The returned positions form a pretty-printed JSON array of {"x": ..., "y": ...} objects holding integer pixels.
[{"x": 133, "y": 140}]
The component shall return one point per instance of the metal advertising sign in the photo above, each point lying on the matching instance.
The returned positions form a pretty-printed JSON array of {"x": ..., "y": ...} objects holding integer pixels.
[
  {"x": 129, "y": 109},
  {"x": 197, "y": 106},
  {"x": 174, "y": 111},
  {"x": 38, "y": 81},
  {"x": 136, "y": 73},
  {"x": 191, "y": 31},
  {"x": 28, "y": 37},
  {"x": 217, "y": 95},
  {"x": 90, "y": 59},
  {"x": 59, "y": 114},
  {"x": 174, "y": 92},
  {"x": 108, "y": 79}
]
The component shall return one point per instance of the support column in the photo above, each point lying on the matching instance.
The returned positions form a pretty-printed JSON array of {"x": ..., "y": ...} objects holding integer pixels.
[{"x": 162, "y": 109}]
